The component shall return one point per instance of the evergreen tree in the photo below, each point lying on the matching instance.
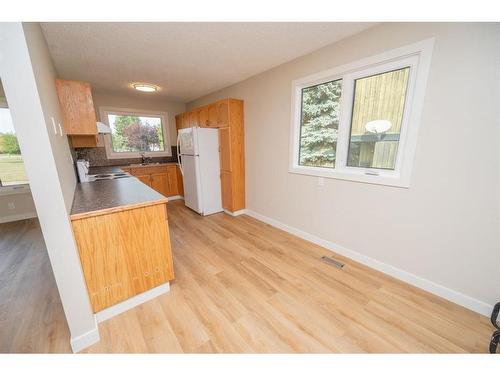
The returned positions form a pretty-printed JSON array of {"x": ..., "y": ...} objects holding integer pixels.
[{"x": 319, "y": 124}]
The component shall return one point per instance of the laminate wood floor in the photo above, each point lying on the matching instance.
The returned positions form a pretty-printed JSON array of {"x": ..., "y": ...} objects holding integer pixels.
[
  {"x": 31, "y": 315},
  {"x": 244, "y": 286}
]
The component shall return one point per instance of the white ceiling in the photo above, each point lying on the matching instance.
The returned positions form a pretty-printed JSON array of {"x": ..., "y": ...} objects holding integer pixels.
[{"x": 187, "y": 60}]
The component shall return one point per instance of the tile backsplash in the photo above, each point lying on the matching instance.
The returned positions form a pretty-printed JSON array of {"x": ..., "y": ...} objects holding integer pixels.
[{"x": 97, "y": 157}]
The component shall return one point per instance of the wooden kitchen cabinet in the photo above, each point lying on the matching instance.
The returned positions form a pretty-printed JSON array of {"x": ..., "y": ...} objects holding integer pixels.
[
  {"x": 165, "y": 179},
  {"x": 203, "y": 117},
  {"x": 227, "y": 116},
  {"x": 178, "y": 121},
  {"x": 227, "y": 189},
  {"x": 123, "y": 253},
  {"x": 193, "y": 119},
  {"x": 212, "y": 116},
  {"x": 161, "y": 183},
  {"x": 225, "y": 149},
  {"x": 185, "y": 120},
  {"x": 77, "y": 107},
  {"x": 223, "y": 113}
]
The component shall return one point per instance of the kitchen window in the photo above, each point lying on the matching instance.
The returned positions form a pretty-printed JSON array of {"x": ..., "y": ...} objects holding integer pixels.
[
  {"x": 359, "y": 122},
  {"x": 135, "y": 133}
]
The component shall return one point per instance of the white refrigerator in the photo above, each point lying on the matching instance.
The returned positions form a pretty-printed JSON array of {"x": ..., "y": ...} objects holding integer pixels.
[{"x": 198, "y": 153}]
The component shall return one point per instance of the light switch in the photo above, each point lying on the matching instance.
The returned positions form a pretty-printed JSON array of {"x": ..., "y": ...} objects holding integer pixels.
[
  {"x": 321, "y": 181},
  {"x": 54, "y": 125}
]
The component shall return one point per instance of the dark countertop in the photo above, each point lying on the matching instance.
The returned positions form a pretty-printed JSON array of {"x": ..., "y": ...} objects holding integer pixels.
[
  {"x": 106, "y": 195},
  {"x": 104, "y": 170},
  {"x": 118, "y": 169}
]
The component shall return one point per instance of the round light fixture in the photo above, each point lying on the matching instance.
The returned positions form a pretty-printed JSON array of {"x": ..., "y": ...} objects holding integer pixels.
[
  {"x": 378, "y": 126},
  {"x": 144, "y": 87}
]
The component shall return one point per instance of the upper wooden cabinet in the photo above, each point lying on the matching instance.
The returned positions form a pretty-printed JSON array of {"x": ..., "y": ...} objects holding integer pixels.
[
  {"x": 193, "y": 119},
  {"x": 77, "y": 107},
  {"x": 212, "y": 116},
  {"x": 178, "y": 121},
  {"x": 223, "y": 113},
  {"x": 225, "y": 149},
  {"x": 203, "y": 117}
]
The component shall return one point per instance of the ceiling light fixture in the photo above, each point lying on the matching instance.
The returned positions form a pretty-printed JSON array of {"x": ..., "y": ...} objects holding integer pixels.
[{"x": 145, "y": 87}]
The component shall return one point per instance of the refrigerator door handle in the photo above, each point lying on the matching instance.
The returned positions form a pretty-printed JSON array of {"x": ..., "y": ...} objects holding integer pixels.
[{"x": 179, "y": 155}]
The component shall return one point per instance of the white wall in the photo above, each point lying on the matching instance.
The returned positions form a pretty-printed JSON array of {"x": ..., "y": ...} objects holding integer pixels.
[
  {"x": 149, "y": 103},
  {"x": 27, "y": 74},
  {"x": 24, "y": 207},
  {"x": 443, "y": 232}
]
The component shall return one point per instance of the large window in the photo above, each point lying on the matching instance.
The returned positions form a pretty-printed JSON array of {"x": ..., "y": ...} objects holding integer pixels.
[
  {"x": 360, "y": 121},
  {"x": 135, "y": 133},
  {"x": 12, "y": 172}
]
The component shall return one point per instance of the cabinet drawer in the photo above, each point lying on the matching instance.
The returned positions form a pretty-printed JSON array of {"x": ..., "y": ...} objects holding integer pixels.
[{"x": 148, "y": 170}]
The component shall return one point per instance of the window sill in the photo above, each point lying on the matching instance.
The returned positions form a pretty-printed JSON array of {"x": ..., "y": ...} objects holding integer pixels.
[
  {"x": 14, "y": 189},
  {"x": 385, "y": 179},
  {"x": 138, "y": 155}
]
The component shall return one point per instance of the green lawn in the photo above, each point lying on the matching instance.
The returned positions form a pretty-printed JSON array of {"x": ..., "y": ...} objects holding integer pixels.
[{"x": 12, "y": 170}]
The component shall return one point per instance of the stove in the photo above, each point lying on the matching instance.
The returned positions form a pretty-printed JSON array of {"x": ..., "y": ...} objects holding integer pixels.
[
  {"x": 107, "y": 176},
  {"x": 83, "y": 173}
]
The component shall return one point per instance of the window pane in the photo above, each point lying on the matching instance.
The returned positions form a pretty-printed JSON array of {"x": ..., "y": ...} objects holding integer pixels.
[
  {"x": 376, "y": 119},
  {"x": 12, "y": 170},
  {"x": 130, "y": 133},
  {"x": 319, "y": 124}
]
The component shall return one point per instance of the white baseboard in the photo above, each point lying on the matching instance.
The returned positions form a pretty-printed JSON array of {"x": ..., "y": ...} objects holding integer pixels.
[
  {"x": 236, "y": 213},
  {"x": 123, "y": 306},
  {"x": 84, "y": 341},
  {"x": 175, "y": 197},
  {"x": 461, "y": 299},
  {"x": 8, "y": 219}
]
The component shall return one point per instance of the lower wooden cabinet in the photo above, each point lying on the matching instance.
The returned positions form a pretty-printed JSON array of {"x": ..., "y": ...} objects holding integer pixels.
[
  {"x": 160, "y": 183},
  {"x": 165, "y": 179},
  {"x": 124, "y": 253}
]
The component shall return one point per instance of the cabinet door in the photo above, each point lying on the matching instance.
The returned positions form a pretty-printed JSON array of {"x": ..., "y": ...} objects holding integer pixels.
[
  {"x": 124, "y": 253},
  {"x": 223, "y": 113},
  {"x": 180, "y": 183},
  {"x": 212, "y": 116},
  {"x": 160, "y": 182},
  {"x": 226, "y": 190},
  {"x": 203, "y": 117},
  {"x": 193, "y": 119},
  {"x": 77, "y": 107},
  {"x": 178, "y": 121},
  {"x": 172, "y": 180},
  {"x": 225, "y": 149},
  {"x": 185, "y": 120},
  {"x": 146, "y": 179}
]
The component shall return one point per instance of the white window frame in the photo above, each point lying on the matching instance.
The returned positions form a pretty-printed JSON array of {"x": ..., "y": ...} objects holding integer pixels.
[
  {"x": 17, "y": 188},
  {"x": 417, "y": 56},
  {"x": 111, "y": 154}
]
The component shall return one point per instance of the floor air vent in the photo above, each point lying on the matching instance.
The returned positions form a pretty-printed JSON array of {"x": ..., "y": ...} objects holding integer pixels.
[{"x": 332, "y": 262}]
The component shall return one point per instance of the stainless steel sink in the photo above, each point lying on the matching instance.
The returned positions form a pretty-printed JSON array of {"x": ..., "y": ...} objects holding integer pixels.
[{"x": 143, "y": 164}]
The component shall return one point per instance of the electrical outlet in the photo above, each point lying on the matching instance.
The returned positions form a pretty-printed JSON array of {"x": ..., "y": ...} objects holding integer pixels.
[
  {"x": 11, "y": 206},
  {"x": 321, "y": 181}
]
